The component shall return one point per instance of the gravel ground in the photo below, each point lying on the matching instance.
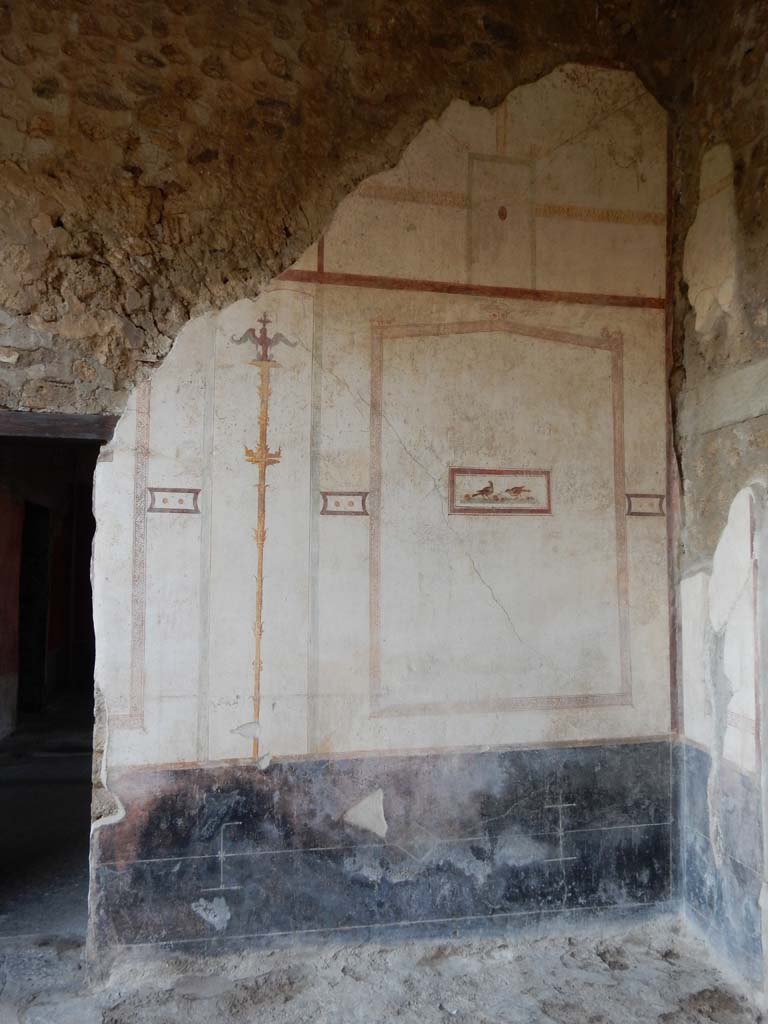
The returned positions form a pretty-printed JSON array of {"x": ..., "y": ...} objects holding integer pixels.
[{"x": 655, "y": 972}]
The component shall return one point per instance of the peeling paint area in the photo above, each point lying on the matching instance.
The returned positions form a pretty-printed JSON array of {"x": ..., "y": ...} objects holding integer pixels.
[
  {"x": 214, "y": 912},
  {"x": 710, "y": 259},
  {"x": 722, "y": 439},
  {"x": 368, "y": 814},
  {"x": 722, "y": 812}
]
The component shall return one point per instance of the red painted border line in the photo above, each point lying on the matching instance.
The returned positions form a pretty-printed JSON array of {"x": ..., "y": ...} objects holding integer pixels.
[
  {"x": 557, "y": 702},
  {"x": 755, "y": 630},
  {"x": 134, "y": 717},
  {"x": 612, "y": 343},
  {"x": 489, "y": 291},
  {"x": 609, "y": 342},
  {"x": 673, "y": 510}
]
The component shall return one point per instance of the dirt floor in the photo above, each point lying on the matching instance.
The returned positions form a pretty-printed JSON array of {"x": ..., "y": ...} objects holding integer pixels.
[
  {"x": 654, "y": 972},
  {"x": 45, "y": 808}
]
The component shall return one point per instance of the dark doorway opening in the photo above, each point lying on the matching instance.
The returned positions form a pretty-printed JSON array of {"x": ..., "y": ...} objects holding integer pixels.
[{"x": 46, "y": 671}]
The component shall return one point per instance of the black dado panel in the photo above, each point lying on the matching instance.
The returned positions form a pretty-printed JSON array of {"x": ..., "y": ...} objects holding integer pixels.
[{"x": 472, "y": 840}]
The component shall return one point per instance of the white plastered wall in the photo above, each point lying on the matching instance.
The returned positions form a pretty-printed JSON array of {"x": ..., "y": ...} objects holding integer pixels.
[{"x": 495, "y": 304}]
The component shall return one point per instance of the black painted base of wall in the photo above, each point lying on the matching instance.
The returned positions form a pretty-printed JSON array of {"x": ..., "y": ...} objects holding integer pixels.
[
  {"x": 721, "y": 888},
  {"x": 476, "y": 840}
]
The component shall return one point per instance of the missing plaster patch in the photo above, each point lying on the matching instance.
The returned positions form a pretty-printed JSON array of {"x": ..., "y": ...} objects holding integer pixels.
[
  {"x": 249, "y": 729},
  {"x": 368, "y": 814},
  {"x": 732, "y": 561},
  {"x": 710, "y": 256},
  {"x": 214, "y": 912},
  {"x": 733, "y": 615}
]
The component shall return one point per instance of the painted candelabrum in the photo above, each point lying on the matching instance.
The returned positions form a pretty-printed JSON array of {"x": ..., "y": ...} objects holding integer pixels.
[{"x": 262, "y": 457}]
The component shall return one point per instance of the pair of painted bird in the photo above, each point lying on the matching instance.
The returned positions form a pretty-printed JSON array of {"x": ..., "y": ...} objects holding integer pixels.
[{"x": 513, "y": 492}]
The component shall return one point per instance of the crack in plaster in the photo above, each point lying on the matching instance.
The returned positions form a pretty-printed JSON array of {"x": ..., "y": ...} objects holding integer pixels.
[{"x": 365, "y": 403}]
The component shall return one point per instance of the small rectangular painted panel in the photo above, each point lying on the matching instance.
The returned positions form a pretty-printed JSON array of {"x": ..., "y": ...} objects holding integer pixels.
[
  {"x": 499, "y": 491},
  {"x": 344, "y": 503},
  {"x": 174, "y": 499},
  {"x": 645, "y": 505}
]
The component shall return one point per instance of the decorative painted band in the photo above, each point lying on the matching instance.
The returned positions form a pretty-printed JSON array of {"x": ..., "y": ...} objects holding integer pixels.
[{"x": 405, "y": 284}]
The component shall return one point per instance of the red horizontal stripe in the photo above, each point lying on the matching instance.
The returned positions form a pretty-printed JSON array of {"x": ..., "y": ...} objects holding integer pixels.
[{"x": 490, "y": 291}]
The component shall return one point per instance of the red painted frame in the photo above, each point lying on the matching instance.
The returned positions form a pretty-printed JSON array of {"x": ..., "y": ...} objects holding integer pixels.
[{"x": 453, "y": 509}]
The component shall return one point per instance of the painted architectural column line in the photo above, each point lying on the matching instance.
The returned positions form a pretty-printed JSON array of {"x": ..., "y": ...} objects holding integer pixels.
[
  {"x": 262, "y": 457},
  {"x": 134, "y": 718}
]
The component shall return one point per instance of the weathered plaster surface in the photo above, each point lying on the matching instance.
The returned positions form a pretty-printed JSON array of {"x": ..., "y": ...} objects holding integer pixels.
[
  {"x": 158, "y": 163},
  {"x": 722, "y": 858},
  {"x": 722, "y": 441},
  {"x": 209, "y": 859},
  {"x": 710, "y": 257},
  {"x": 722, "y": 810},
  {"x": 410, "y": 501},
  {"x": 280, "y": 536},
  {"x": 722, "y": 406}
]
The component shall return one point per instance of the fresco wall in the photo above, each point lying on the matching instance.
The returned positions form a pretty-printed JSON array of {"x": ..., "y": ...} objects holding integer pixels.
[
  {"x": 380, "y": 576},
  {"x": 722, "y": 621}
]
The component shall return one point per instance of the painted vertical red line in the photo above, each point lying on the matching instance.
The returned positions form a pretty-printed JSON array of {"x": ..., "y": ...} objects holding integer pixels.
[{"x": 673, "y": 493}]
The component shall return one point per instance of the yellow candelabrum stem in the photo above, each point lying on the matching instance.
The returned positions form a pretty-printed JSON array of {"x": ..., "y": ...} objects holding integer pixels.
[{"x": 263, "y": 458}]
